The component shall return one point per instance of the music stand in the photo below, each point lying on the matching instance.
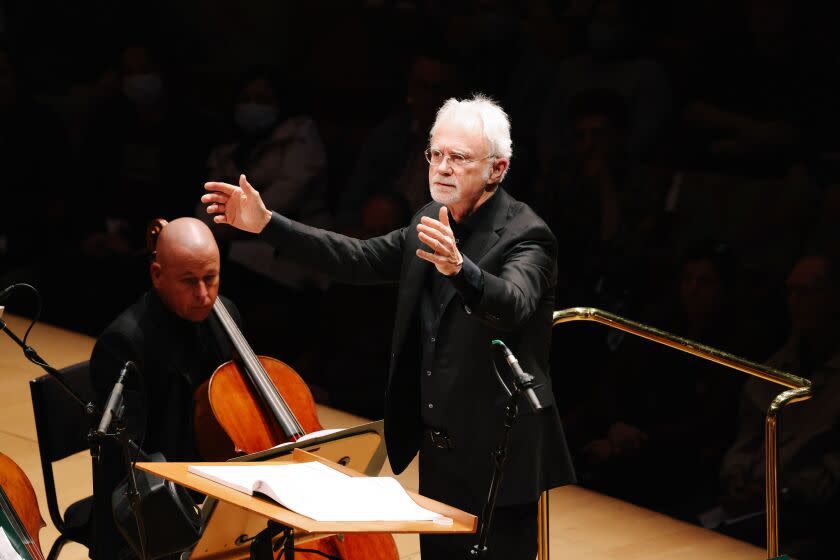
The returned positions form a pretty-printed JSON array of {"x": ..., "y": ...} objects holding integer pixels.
[
  {"x": 289, "y": 523},
  {"x": 227, "y": 528}
]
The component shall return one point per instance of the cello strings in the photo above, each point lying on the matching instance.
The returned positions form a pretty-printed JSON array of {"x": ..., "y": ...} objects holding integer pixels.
[{"x": 258, "y": 374}]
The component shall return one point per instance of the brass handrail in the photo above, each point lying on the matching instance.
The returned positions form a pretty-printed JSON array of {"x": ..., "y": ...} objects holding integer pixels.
[{"x": 801, "y": 390}]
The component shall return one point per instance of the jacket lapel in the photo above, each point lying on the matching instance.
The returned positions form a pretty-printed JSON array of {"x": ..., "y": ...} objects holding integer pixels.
[
  {"x": 411, "y": 282},
  {"x": 487, "y": 232}
]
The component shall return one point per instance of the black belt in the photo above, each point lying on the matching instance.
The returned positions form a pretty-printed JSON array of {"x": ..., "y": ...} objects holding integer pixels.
[{"x": 439, "y": 438}]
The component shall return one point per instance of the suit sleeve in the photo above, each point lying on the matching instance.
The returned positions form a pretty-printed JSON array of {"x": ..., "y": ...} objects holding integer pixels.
[
  {"x": 342, "y": 258},
  {"x": 508, "y": 299}
]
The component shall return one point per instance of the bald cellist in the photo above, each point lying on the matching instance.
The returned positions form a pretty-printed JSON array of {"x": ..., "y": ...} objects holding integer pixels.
[{"x": 171, "y": 334}]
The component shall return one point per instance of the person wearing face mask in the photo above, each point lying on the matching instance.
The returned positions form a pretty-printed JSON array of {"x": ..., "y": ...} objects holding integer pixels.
[
  {"x": 142, "y": 135},
  {"x": 137, "y": 137},
  {"x": 279, "y": 146}
]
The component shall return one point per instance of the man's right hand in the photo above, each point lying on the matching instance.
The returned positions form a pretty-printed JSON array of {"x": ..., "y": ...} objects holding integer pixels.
[{"x": 240, "y": 207}]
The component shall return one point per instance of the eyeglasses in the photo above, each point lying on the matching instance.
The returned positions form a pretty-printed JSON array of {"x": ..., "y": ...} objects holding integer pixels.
[{"x": 435, "y": 156}]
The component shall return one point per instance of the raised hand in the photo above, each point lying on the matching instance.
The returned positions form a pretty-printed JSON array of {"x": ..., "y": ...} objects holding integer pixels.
[
  {"x": 437, "y": 234},
  {"x": 238, "y": 206}
]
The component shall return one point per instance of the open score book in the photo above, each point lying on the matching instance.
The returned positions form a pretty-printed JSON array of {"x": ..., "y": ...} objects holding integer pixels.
[{"x": 322, "y": 493}]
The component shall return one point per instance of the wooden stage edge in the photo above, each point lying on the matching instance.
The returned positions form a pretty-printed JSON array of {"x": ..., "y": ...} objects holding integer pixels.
[{"x": 584, "y": 525}]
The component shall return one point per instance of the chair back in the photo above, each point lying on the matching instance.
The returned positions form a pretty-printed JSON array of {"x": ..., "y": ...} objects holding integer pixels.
[{"x": 61, "y": 423}]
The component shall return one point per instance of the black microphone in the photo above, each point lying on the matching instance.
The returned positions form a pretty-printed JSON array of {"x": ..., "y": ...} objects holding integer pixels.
[
  {"x": 523, "y": 381},
  {"x": 114, "y": 400}
]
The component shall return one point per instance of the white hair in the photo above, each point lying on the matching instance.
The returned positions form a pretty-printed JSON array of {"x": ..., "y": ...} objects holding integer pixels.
[{"x": 495, "y": 125}]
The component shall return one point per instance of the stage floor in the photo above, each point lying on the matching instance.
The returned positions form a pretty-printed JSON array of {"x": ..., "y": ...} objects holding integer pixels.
[{"x": 584, "y": 524}]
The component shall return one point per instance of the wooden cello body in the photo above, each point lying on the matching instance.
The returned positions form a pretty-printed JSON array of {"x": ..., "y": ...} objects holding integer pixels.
[
  {"x": 255, "y": 415},
  {"x": 19, "y": 513}
]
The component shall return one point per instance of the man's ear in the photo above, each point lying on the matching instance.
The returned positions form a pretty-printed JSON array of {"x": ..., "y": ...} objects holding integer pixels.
[
  {"x": 500, "y": 165},
  {"x": 154, "y": 272}
]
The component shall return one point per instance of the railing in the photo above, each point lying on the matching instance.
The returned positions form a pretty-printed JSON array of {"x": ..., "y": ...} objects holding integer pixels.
[{"x": 799, "y": 389}]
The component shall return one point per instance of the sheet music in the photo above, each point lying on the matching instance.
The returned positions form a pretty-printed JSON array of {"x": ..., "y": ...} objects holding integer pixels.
[
  {"x": 322, "y": 493},
  {"x": 7, "y": 551}
]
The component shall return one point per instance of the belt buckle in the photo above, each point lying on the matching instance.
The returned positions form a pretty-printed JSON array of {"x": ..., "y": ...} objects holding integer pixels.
[{"x": 440, "y": 439}]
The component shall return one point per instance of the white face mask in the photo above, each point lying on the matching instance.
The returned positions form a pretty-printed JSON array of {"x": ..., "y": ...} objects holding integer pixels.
[
  {"x": 255, "y": 117},
  {"x": 143, "y": 89}
]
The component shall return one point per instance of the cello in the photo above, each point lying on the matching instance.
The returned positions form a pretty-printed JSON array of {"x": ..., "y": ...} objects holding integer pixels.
[
  {"x": 256, "y": 402},
  {"x": 20, "y": 517}
]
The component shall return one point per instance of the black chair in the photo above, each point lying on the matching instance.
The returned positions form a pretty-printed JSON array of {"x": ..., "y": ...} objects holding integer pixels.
[{"x": 62, "y": 427}]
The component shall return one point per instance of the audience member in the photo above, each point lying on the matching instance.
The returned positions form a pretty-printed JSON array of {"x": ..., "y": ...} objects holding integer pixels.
[
  {"x": 662, "y": 418},
  {"x": 280, "y": 146},
  {"x": 392, "y": 155},
  {"x": 601, "y": 205},
  {"x": 809, "y": 432},
  {"x": 764, "y": 97},
  {"x": 145, "y": 139},
  {"x": 610, "y": 61}
]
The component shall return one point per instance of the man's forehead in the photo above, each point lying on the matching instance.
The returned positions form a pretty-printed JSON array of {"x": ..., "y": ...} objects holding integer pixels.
[
  {"x": 186, "y": 260},
  {"x": 465, "y": 133}
]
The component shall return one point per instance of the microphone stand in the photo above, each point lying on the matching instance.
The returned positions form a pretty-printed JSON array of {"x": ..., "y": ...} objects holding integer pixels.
[
  {"x": 131, "y": 491},
  {"x": 499, "y": 458},
  {"x": 113, "y": 416},
  {"x": 91, "y": 410},
  {"x": 31, "y": 355},
  {"x": 521, "y": 383}
]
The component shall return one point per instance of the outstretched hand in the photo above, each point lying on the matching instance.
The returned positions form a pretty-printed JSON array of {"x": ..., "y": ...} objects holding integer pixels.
[
  {"x": 238, "y": 206},
  {"x": 437, "y": 234}
]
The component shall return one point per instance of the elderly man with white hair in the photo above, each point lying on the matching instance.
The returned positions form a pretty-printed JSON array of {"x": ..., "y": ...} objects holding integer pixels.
[{"x": 472, "y": 266}]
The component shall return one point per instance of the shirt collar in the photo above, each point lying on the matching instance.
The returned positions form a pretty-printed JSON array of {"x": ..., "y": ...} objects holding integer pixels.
[{"x": 474, "y": 221}]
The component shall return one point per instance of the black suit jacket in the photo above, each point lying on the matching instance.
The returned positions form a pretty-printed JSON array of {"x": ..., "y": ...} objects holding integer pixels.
[{"x": 515, "y": 255}]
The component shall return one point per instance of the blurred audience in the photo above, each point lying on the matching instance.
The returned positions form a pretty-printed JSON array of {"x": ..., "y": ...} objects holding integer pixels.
[
  {"x": 602, "y": 205},
  {"x": 392, "y": 155},
  {"x": 142, "y": 139},
  {"x": 611, "y": 60},
  {"x": 659, "y": 420},
  {"x": 809, "y": 433},
  {"x": 279, "y": 147},
  {"x": 35, "y": 157}
]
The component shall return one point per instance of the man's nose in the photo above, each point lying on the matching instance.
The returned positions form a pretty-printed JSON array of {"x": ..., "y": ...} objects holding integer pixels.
[
  {"x": 202, "y": 291},
  {"x": 445, "y": 165}
]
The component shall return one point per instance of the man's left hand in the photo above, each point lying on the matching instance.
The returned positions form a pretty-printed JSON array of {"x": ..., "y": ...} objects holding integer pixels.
[{"x": 439, "y": 237}]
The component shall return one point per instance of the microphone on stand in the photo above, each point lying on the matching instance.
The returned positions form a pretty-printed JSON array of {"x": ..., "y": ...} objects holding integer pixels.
[
  {"x": 112, "y": 408},
  {"x": 523, "y": 381}
]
